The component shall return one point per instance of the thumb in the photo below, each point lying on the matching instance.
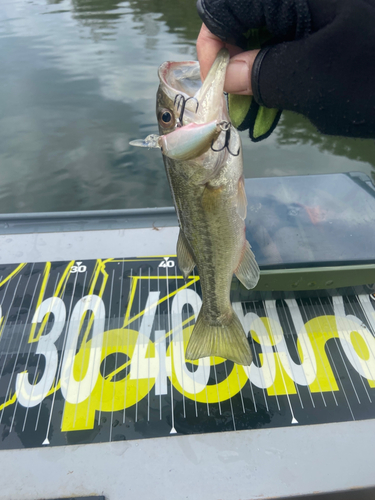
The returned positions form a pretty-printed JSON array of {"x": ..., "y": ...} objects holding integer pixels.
[{"x": 238, "y": 76}]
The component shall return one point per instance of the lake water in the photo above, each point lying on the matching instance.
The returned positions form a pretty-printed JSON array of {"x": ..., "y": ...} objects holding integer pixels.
[{"x": 78, "y": 81}]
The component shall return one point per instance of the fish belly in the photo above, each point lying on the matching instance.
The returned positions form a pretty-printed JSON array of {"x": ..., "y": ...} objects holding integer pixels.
[{"x": 216, "y": 237}]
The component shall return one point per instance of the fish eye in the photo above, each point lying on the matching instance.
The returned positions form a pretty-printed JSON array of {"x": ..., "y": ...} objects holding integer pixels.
[{"x": 166, "y": 118}]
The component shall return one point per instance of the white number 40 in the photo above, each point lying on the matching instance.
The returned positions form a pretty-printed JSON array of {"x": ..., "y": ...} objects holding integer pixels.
[{"x": 166, "y": 263}]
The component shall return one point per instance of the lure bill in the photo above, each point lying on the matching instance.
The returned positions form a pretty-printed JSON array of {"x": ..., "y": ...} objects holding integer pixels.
[{"x": 203, "y": 161}]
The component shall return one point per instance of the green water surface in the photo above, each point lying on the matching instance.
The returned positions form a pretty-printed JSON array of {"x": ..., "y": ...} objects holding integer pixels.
[{"x": 77, "y": 82}]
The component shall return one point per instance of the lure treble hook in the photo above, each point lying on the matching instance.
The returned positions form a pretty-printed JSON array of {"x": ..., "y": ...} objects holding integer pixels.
[
  {"x": 181, "y": 102},
  {"x": 225, "y": 127}
]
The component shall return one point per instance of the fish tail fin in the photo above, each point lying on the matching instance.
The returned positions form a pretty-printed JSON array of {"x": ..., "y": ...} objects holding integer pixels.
[{"x": 227, "y": 341}]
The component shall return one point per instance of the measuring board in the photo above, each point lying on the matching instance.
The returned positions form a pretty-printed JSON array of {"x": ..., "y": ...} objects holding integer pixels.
[{"x": 93, "y": 351}]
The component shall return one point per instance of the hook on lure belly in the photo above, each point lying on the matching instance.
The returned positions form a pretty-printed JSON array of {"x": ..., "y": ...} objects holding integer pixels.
[{"x": 225, "y": 127}]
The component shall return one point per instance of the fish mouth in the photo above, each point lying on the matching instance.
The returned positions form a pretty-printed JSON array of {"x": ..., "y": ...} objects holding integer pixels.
[
  {"x": 184, "y": 78},
  {"x": 180, "y": 78},
  {"x": 204, "y": 108}
]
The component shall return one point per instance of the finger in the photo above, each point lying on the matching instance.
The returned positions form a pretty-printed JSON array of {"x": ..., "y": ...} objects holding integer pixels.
[
  {"x": 238, "y": 76},
  {"x": 208, "y": 45}
]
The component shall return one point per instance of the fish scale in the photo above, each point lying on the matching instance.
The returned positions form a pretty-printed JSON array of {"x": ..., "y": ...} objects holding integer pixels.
[
  {"x": 211, "y": 254},
  {"x": 206, "y": 183}
]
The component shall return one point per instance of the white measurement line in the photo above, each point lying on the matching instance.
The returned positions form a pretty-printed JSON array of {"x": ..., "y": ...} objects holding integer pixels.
[
  {"x": 365, "y": 304},
  {"x": 343, "y": 360},
  {"x": 182, "y": 354},
  {"x": 289, "y": 306},
  {"x": 244, "y": 305},
  {"x": 230, "y": 398},
  {"x": 346, "y": 369},
  {"x": 160, "y": 407},
  {"x": 139, "y": 327},
  {"x": 59, "y": 368},
  {"x": 204, "y": 366},
  {"x": 23, "y": 334},
  {"x": 45, "y": 381},
  {"x": 239, "y": 385},
  {"x": 105, "y": 360},
  {"x": 359, "y": 347},
  {"x": 265, "y": 362},
  {"x": 369, "y": 327},
  {"x": 195, "y": 392},
  {"x": 294, "y": 420},
  {"x": 105, "y": 356},
  {"x": 364, "y": 300},
  {"x": 100, "y": 354},
  {"x": 254, "y": 351},
  {"x": 117, "y": 341},
  {"x": 195, "y": 322},
  {"x": 173, "y": 430},
  {"x": 31, "y": 344},
  {"x": 337, "y": 377},
  {"x": 19, "y": 343},
  {"x": 149, "y": 355},
  {"x": 205, "y": 386},
  {"x": 216, "y": 384},
  {"x": 79, "y": 347},
  {"x": 127, "y": 345},
  {"x": 5, "y": 321},
  {"x": 316, "y": 316},
  {"x": 286, "y": 310},
  {"x": 2, "y": 301}
]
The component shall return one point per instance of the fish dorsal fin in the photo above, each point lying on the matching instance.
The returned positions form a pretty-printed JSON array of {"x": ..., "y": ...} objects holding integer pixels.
[
  {"x": 184, "y": 256},
  {"x": 241, "y": 199},
  {"x": 247, "y": 270}
]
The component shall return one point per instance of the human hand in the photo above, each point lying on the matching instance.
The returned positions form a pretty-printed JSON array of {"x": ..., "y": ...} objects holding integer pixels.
[
  {"x": 319, "y": 61},
  {"x": 238, "y": 76}
]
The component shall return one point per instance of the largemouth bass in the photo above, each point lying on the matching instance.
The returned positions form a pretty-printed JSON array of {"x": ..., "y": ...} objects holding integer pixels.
[{"x": 203, "y": 160}]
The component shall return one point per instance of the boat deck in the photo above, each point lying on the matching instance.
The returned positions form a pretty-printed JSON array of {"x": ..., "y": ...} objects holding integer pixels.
[{"x": 97, "y": 398}]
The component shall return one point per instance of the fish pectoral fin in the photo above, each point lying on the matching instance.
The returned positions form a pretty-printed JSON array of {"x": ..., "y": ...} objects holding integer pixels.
[
  {"x": 184, "y": 255},
  {"x": 247, "y": 270},
  {"x": 241, "y": 199},
  {"x": 227, "y": 341}
]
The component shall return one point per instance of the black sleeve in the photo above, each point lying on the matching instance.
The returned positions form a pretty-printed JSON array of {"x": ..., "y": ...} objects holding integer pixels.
[
  {"x": 326, "y": 70},
  {"x": 229, "y": 19}
]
